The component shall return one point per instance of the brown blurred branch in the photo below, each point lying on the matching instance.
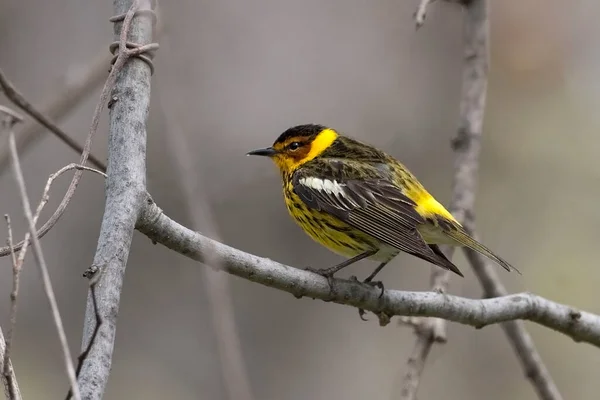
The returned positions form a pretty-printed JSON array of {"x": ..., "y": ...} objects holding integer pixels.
[
  {"x": 66, "y": 100},
  {"x": 233, "y": 368},
  {"x": 467, "y": 147},
  {"x": 39, "y": 256},
  {"x": 518, "y": 337}
]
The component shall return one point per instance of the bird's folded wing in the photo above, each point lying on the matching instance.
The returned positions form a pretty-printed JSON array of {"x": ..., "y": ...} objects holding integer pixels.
[{"x": 366, "y": 199}]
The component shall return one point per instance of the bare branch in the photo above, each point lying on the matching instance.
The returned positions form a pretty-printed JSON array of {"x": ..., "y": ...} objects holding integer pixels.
[
  {"x": 41, "y": 262},
  {"x": 9, "y": 380},
  {"x": 19, "y": 100},
  {"x": 519, "y": 338},
  {"x": 125, "y": 188},
  {"x": 579, "y": 325}
]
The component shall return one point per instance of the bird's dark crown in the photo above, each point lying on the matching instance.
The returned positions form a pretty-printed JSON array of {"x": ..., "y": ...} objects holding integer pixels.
[{"x": 308, "y": 131}]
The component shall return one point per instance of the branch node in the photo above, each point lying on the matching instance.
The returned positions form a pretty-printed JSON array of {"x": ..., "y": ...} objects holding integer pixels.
[
  {"x": 384, "y": 319},
  {"x": 575, "y": 315},
  {"x": 421, "y": 13},
  {"x": 132, "y": 49}
]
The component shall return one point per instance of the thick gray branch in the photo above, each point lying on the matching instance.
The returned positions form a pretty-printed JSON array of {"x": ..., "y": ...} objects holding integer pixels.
[
  {"x": 579, "y": 325},
  {"x": 125, "y": 188}
]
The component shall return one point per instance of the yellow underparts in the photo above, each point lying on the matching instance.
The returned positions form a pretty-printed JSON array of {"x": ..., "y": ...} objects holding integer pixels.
[{"x": 329, "y": 231}]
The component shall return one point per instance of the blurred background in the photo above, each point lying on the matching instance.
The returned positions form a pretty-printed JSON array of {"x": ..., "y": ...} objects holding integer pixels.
[{"x": 234, "y": 74}]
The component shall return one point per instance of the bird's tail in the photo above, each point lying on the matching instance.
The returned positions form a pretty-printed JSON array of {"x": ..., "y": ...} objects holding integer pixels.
[{"x": 462, "y": 238}]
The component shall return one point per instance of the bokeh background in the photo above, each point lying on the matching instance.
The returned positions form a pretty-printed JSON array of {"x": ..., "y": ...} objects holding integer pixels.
[{"x": 234, "y": 74}]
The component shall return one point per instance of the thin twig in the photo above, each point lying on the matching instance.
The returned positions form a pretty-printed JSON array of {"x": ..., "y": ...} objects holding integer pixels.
[
  {"x": 13, "y": 116},
  {"x": 11, "y": 387},
  {"x": 41, "y": 262},
  {"x": 9, "y": 380},
  {"x": 216, "y": 284},
  {"x": 18, "y": 262},
  {"x": 518, "y": 337},
  {"x": 20, "y": 101},
  {"x": 16, "y": 272},
  {"x": 580, "y": 325}
]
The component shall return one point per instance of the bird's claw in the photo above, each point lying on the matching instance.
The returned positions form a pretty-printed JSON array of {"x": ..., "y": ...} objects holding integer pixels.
[
  {"x": 324, "y": 273},
  {"x": 377, "y": 284},
  {"x": 361, "y": 314}
]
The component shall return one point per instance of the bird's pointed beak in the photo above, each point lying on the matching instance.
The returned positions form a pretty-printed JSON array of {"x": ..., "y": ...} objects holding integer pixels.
[{"x": 266, "y": 152}]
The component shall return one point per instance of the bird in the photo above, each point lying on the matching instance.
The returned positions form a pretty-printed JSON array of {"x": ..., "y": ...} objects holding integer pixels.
[{"x": 362, "y": 203}]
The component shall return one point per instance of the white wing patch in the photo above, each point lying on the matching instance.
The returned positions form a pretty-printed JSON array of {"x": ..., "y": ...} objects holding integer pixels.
[{"x": 325, "y": 185}]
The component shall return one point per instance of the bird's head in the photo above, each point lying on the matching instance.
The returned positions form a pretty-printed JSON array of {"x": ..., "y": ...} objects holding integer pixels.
[{"x": 297, "y": 146}]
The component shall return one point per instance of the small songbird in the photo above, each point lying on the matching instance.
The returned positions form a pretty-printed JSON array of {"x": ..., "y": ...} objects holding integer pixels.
[{"x": 362, "y": 203}]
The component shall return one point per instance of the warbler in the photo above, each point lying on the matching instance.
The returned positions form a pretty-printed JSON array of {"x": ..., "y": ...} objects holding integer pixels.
[{"x": 362, "y": 203}]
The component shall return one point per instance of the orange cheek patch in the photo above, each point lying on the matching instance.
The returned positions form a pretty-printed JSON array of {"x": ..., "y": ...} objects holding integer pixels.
[{"x": 300, "y": 154}]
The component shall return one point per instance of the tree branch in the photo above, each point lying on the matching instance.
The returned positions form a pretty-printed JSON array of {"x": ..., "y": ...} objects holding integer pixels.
[
  {"x": 581, "y": 326},
  {"x": 125, "y": 190}
]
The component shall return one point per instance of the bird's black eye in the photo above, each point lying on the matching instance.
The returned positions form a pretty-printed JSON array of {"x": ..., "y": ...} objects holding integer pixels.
[{"x": 294, "y": 146}]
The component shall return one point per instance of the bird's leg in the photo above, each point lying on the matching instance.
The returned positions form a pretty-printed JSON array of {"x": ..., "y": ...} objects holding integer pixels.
[
  {"x": 369, "y": 281},
  {"x": 328, "y": 272}
]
